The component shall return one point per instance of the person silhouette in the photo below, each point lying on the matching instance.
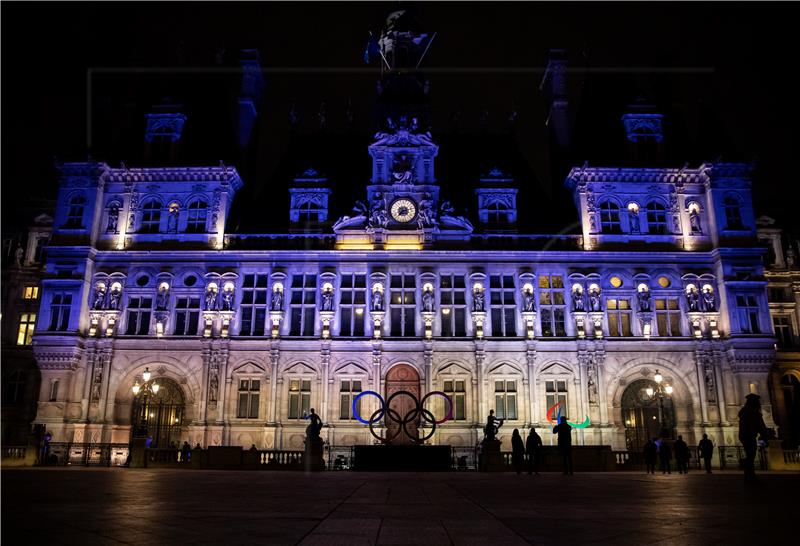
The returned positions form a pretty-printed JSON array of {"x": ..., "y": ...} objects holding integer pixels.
[
  {"x": 681, "y": 455},
  {"x": 649, "y": 454},
  {"x": 706, "y": 449},
  {"x": 564, "y": 432},
  {"x": 517, "y": 451},
  {"x": 532, "y": 446},
  {"x": 751, "y": 424},
  {"x": 665, "y": 457}
]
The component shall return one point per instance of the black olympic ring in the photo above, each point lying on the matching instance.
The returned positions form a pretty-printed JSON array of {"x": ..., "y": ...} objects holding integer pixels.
[{"x": 385, "y": 412}]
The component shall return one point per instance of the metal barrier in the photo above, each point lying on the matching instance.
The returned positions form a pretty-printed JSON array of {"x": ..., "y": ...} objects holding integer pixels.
[
  {"x": 85, "y": 454},
  {"x": 464, "y": 458},
  {"x": 339, "y": 457}
]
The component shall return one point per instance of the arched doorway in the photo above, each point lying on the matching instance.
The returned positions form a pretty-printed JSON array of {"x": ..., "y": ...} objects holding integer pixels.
[
  {"x": 159, "y": 416},
  {"x": 645, "y": 416},
  {"x": 401, "y": 378},
  {"x": 791, "y": 399}
]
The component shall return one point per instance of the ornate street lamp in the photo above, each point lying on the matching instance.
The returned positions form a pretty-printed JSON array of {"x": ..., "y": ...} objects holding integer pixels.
[
  {"x": 660, "y": 391},
  {"x": 147, "y": 390}
]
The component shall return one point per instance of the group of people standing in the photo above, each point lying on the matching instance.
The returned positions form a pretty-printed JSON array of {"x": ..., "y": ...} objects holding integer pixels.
[
  {"x": 532, "y": 447},
  {"x": 661, "y": 449}
]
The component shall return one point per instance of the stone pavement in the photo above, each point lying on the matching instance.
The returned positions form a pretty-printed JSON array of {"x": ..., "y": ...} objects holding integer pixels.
[{"x": 167, "y": 506}]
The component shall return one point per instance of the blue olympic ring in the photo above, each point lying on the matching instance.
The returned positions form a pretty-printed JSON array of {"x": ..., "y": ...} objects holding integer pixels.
[
  {"x": 448, "y": 415},
  {"x": 357, "y": 414}
]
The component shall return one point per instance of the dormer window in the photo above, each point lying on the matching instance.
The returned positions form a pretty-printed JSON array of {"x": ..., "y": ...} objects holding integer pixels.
[
  {"x": 499, "y": 214},
  {"x": 309, "y": 213},
  {"x": 75, "y": 213},
  {"x": 733, "y": 213},
  {"x": 609, "y": 217}
]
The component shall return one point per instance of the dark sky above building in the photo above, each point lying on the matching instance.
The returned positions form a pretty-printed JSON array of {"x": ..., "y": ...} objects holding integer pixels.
[{"x": 720, "y": 73}]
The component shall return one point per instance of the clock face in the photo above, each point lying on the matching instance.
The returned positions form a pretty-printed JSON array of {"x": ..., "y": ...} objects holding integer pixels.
[{"x": 403, "y": 210}]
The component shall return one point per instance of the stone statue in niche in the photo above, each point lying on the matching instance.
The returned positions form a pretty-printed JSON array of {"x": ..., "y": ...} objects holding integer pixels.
[
  {"x": 213, "y": 385},
  {"x": 99, "y": 300},
  {"x": 790, "y": 257},
  {"x": 401, "y": 170},
  {"x": 644, "y": 300},
  {"x": 327, "y": 300},
  {"x": 277, "y": 300},
  {"x": 211, "y": 299},
  {"x": 427, "y": 300},
  {"x": 162, "y": 299},
  {"x": 227, "y": 300},
  {"x": 529, "y": 302},
  {"x": 594, "y": 300},
  {"x": 578, "y": 302},
  {"x": 694, "y": 221},
  {"x": 113, "y": 219},
  {"x": 378, "y": 217},
  {"x": 377, "y": 300},
  {"x": 692, "y": 300},
  {"x": 591, "y": 380},
  {"x": 427, "y": 215},
  {"x": 709, "y": 300},
  {"x": 114, "y": 297},
  {"x": 478, "y": 301},
  {"x": 172, "y": 220},
  {"x": 633, "y": 220}
]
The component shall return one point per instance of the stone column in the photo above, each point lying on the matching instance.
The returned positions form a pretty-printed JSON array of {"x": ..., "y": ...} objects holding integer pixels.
[
  {"x": 533, "y": 404},
  {"x": 274, "y": 356},
  {"x": 428, "y": 359},
  {"x": 480, "y": 357},
  {"x": 203, "y": 408},
  {"x": 86, "y": 394},
  {"x": 580, "y": 385},
  {"x": 723, "y": 413},
  {"x": 602, "y": 397},
  {"x": 699, "y": 361},
  {"x": 325, "y": 357}
]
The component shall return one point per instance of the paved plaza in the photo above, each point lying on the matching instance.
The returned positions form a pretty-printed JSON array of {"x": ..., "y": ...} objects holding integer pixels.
[{"x": 144, "y": 506}]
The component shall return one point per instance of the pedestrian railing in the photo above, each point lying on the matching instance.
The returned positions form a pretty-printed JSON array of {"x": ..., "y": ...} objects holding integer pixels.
[
  {"x": 84, "y": 454},
  {"x": 279, "y": 458},
  {"x": 732, "y": 458},
  {"x": 791, "y": 456},
  {"x": 13, "y": 452}
]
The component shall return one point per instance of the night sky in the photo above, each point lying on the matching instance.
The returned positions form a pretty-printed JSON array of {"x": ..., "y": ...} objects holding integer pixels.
[{"x": 721, "y": 74}]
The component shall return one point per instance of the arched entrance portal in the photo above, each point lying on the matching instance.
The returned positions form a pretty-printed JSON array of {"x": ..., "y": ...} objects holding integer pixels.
[
  {"x": 159, "y": 416},
  {"x": 645, "y": 416},
  {"x": 401, "y": 378}
]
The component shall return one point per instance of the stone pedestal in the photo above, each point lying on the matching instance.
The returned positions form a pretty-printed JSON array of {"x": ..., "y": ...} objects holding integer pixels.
[
  {"x": 312, "y": 458},
  {"x": 490, "y": 458},
  {"x": 138, "y": 452}
]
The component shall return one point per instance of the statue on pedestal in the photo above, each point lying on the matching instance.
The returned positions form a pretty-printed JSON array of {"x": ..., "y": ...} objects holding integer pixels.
[
  {"x": 314, "y": 427},
  {"x": 492, "y": 426}
]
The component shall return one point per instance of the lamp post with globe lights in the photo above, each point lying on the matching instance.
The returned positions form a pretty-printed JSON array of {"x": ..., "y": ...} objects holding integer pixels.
[
  {"x": 147, "y": 390},
  {"x": 660, "y": 391}
]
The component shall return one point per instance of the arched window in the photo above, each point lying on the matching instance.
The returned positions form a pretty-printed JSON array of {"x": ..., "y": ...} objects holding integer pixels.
[
  {"x": 308, "y": 212},
  {"x": 196, "y": 222},
  {"x": 151, "y": 217},
  {"x": 498, "y": 213},
  {"x": 75, "y": 213},
  {"x": 609, "y": 217},
  {"x": 657, "y": 218},
  {"x": 733, "y": 213}
]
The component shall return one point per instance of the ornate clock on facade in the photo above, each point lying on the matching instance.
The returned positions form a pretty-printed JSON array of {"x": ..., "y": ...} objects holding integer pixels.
[{"x": 403, "y": 210}]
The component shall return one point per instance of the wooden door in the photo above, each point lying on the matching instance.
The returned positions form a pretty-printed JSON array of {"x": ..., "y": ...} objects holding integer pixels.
[{"x": 402, "y": 378}]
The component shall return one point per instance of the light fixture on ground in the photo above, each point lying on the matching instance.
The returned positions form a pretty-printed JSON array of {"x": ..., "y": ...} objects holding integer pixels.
[{"x": 660, "y": 391}]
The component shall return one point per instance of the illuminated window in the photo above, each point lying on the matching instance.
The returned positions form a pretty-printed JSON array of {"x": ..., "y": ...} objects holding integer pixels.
[
  {"x": 151, "y": 217},
  {"x": 668, "y": 317},
  {"x": 551, "y": 305},
  {"x": 197, "y": 215},
  {"x": 299, "y": 398},
  {"x": 453, "y": 297},
  {"x": 303, "y": 305},
  {"x": 254, "y": 305},
  {"x": 456, "y": 390},
  {"x": 138, "y": 318},
  {"x": 505, "y": 399},
  {"x": 31, "y": 293},
  {"x": 609, "y": 217},
  {"x": 352, "y": 304},
  {"x": 25, "y": 331},
  {"x": 249, "y": 395},
  {"x": 402, "y": 299},
  {"x": 75, "y": 213},
  {"x": 619, "y": 317},
  {"x": 556, "y": 393},
  {"x": 504, "y": 306},
  {"x": 60, "y": 307},
  {"x": 349, "y": 389}
]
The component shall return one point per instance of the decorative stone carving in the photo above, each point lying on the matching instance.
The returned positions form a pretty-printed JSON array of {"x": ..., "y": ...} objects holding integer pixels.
[
  {"x": 591, "y": 381},
  {"x": 578, "y": 300},
  {"x": 692, "y": 299},
  {"x": 594, "y": 300},
  {"x": 427, "y": 300},
  {"x": 99, "y": 299},
  {"x": 327, "y": 299},
  {"x": 113, "y": 219},
  {"x": 115, "y": 297},
  {"x": 709, "y": 300},
  {"x": 277, "y": 299},
  {"x": 644, "y": 300},
  {"x": 478, "y": 301},
  {"x": 211, "y": 297}
]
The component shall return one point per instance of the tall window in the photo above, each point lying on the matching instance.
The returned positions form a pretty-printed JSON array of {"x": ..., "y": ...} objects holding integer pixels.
[
  {"x": 14, "y": 388},
  {"x": 783, "y": 330},
  {"x": 151, "y": 217},
  {"x": 75, "y": 213},
  {"x": 187, "y": 316},
  {"x": 352, "y": 304},
  {"x": 499, "y": 215},
  {"x": 196, "y": 219},
  {"x": 747, "y": 308},
  {"x": 299, "y": 397},
  {"x": 41, "y": 242},
  {"x": 551, "y": 305},
  {"x": 25, "y": 331},
  {"x": 254, "y": 305},
  {"x": 456, "y": 390},
  {"x": 668, "y": 317},
  {"x": 350, "y": 388},
  {"x": 303, "y": 305},
  {"x": 657, "y": 218},
  {"x": 505, "y": 399},
  {"x": 619, "y": 317},
  {"x": 30, "y": 293},
  {"x": 249, "y": 394},
  {"x": 403, "y": 302},
  {"x": 556, "y": 393},
  {"x": 733, "y": 213},
  {"x": 60, "y": 307},
  {"x": 452, "y": 294},
  {"x": 504, "y": 307},
  {"x": 139, "y": 311},
  {"x": 308, "y": 213},
  {"x": 609, "y": 217}
]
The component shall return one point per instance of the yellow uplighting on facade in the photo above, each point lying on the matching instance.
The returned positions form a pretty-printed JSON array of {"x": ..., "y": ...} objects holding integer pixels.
[{"x": 403, "y": 246}]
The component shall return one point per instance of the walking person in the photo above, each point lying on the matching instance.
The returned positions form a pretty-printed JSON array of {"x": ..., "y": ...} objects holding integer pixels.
[
  {"x": 517, "y": 451},
  {"x": 681, "y": 455},
  {"x": 706, "y": 449},
  {"x": 665, "y": 457},
  {"x": 186, "y": 451},
  {"x": 533, "y": 446},
  {"x": 751, "y": 424},
  {"x": 564, "y": 432},
  {"x": 649, "y": 454}
]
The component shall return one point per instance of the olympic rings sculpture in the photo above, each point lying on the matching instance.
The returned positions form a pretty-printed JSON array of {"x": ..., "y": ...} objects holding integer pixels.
[{"x": 386, "y": 413}]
